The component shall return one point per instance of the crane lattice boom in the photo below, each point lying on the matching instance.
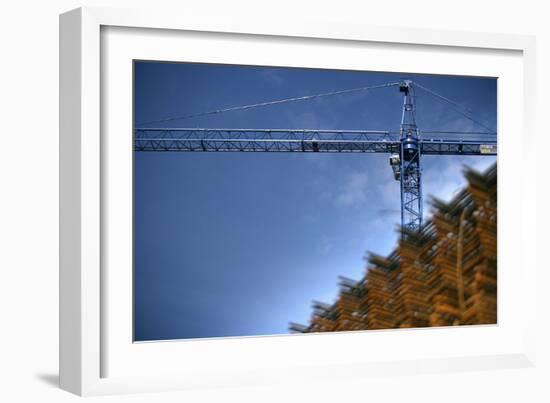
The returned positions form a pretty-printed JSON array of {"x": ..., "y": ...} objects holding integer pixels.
[{"x": 282, "y": 140}]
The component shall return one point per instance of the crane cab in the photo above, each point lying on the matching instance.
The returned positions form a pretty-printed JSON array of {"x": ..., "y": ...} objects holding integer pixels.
[{"x": 395, "y": 163}]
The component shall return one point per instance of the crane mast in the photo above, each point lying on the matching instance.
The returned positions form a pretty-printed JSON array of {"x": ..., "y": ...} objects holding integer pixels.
[
  {"x": 410, "y": 172},
  {"x": 405, "y": 147}
]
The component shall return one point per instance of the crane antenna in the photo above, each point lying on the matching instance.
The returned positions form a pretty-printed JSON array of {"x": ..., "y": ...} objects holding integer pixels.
[
  {"x": 275, "y": 102},
  {"x": 457, "y": 107}
]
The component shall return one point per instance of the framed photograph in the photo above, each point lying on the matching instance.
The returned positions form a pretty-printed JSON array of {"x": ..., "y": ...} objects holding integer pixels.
[{"x": 256, "y": 203}]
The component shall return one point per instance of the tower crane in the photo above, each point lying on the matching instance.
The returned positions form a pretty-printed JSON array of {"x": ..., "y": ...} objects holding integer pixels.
[{"x": 405, "y": 147}]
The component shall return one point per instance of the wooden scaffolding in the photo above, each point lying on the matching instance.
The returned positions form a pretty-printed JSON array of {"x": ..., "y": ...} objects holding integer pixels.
[{"x": 444, "y": 275}]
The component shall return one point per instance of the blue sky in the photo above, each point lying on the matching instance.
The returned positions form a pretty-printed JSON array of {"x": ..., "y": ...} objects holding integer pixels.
[{"x": 239, "y": 244}]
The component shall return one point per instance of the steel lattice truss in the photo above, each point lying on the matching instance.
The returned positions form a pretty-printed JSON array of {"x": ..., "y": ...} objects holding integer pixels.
[{"x": 281, "y": 140}]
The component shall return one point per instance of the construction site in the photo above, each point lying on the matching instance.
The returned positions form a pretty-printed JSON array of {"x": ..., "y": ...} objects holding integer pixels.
[
  {"x": 443, "y": 269},
  {"x": 443, "y": 275}
]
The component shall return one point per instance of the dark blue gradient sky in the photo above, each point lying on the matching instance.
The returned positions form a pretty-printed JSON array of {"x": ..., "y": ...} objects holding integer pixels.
[{"x": 239, "y": 244}]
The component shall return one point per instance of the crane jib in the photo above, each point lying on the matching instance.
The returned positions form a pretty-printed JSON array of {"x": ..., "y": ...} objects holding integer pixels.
[{"x": 429, "y": 147}]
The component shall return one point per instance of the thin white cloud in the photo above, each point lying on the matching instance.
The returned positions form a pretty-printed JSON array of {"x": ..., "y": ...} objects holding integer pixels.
[
  {"x": 305, "y": 120},
  {"x": 354, "y": 190},
  {"x": 390, "y": 191},
  {"x": 325, "y": 245},
  {"x": 445, "y": 179},
  {"x": 274, "y": 77}
]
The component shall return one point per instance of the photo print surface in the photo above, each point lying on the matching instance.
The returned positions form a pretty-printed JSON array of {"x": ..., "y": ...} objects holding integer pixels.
[{"x": 273, "y": 200}]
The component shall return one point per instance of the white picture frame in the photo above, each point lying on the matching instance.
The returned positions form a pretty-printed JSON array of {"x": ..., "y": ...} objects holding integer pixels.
[{"x": 98, "y": 357}]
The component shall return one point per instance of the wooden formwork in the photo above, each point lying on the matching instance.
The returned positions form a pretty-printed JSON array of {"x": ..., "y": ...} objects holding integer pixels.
[{"x": 444, "y": 275}]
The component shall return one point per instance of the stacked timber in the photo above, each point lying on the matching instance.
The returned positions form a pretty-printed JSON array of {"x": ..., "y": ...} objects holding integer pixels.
[
  {"x": 324, "y": 318},
  {"x": 380, "y": 284},
  {"x": 480, "y": 261},
  {"x": 349, "y": 305},
  {"x": 443, "y": 275},
  {"x": 412, "y": 296}
]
